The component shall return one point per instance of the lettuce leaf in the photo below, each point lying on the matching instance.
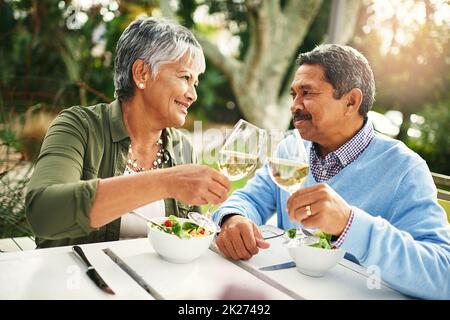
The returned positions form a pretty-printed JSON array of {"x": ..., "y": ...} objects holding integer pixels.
[
  {"x": 324, "y": 242},
  {"x": 292, "y": 233}
]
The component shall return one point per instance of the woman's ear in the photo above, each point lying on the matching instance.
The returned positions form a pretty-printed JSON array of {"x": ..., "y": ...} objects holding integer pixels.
[
  {"x": 354, "y": 100},
  {"x": 140, "y": 73}
]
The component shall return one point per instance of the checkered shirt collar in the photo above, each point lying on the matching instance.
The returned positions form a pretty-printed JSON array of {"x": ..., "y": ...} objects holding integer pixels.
[{"x": 349, "y": 151}]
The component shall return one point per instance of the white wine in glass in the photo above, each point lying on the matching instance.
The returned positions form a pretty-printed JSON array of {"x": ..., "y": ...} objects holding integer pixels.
[
  {"x": 288, "y": 174},
  {"x": 236, "y": 165},
  {"x": 288, "y": 163},
  {"x": 240, "y": 152},
  {"x": 288, "y": 160},
  {"x": 237, "y": 158}
]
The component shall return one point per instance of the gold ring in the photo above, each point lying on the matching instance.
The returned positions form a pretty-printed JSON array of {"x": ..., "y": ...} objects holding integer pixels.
[{"x": 308, "y": 211}]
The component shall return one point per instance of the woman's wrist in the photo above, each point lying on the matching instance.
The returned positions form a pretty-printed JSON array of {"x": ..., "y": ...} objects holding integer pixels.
[{"x": 165, "y": 181}]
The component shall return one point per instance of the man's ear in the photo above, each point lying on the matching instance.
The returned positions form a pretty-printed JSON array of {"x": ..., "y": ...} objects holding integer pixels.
[
  {"x": 140, "y": 72},
  {"x": 354, "y": 99}
]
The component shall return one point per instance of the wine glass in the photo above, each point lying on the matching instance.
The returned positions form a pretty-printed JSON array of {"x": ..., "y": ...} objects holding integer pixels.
[
  {"x": 287, "y": 159},
  {"x": 237, "y": 158},
  {"x": 288, "y": 163},
  {"x": 239, "y": 155}
]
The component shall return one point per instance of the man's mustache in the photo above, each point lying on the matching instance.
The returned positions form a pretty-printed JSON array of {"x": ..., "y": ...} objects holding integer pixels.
[{"x": 298, "y": 115}]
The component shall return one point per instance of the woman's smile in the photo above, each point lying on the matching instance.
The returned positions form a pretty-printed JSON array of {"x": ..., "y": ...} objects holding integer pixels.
[{"x": 183, "y": 105}]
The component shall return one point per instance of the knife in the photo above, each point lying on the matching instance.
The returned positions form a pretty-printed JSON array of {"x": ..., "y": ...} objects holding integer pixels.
[
  {"x": 285, "y": 265},
  {"x": 91, "y": 272}
]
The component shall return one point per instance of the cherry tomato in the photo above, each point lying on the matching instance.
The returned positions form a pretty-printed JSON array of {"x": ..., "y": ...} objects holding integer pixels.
[{"x": 168, "y": 223}]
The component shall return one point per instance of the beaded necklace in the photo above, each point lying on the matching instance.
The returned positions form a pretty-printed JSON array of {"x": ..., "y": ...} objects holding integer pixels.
[{"x": 157, "y": 164}]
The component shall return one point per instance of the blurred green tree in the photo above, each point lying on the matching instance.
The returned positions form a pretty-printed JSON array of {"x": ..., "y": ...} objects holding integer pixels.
[
  {"x": 49, "y": 55},
  {"x": 434, "y": 142},
  {"x": 410, "y": 73},
  {"x": 268, "y": 35},
  {"x": 411, "y": 63}
]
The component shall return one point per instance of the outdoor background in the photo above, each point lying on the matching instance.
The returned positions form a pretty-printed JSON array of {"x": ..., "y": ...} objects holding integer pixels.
[{"x": 55, "y": 54}]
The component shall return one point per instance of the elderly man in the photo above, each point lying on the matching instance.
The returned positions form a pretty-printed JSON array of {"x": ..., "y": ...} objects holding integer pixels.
[{"x": 372, "y": 193}]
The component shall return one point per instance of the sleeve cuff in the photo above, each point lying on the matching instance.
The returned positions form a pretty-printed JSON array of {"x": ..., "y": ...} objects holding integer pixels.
[
  {"x": 85, "y": 201},
  {"x": 357, "y": 239},
  {"x": 219, "y": 216},
  {"x": 341, "y": 238}
]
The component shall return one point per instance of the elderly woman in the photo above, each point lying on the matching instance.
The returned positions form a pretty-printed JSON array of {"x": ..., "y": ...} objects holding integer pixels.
[{"x": 101, "y": 162}]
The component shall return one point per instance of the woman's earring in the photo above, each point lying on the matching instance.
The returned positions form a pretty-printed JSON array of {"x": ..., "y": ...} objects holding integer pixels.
[{"x": 141, "y": 86}]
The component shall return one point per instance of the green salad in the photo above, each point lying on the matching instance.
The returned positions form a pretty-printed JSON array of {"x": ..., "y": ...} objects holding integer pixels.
[
  {"x": 324, "y": 239},
  {"x": 183, "y": 230}
]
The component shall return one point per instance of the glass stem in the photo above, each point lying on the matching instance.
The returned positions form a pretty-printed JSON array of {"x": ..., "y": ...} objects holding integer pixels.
[{"x": 211, "y": 210}]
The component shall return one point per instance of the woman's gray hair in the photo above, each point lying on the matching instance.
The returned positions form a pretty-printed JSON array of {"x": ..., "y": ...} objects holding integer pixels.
[
  {"x": 345, "y": 68},
  {"x": 156, "y": 41}
]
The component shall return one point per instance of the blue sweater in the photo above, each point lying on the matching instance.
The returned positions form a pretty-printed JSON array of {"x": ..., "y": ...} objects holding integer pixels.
[{"x": 398, "y": 225}]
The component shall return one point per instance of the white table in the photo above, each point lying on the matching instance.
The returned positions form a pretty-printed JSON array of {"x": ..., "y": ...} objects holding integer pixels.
[
  {"x": 58, "y": 273},
  {"x": 346, "y": 280}
]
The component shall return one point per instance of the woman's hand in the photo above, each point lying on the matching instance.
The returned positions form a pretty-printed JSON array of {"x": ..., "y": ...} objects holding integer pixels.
[
  {"x": 191, "y": 184},
  {"x": 197, "y": 184}
]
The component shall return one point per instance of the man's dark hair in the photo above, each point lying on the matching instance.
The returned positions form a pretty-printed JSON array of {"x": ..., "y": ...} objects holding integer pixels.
[{"x": 345, "y": 68}]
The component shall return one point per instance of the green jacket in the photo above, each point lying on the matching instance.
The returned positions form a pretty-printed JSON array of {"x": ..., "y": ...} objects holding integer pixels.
[{"x": 82, "y": 146}]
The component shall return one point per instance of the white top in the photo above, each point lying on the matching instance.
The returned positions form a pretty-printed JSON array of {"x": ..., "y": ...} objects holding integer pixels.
[{"x": 134, "y": 227}]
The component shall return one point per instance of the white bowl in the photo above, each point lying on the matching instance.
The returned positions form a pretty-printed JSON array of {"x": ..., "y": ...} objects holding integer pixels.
[
  {"x": 174, "y": 249},
  {"x": 314, "y": 262}
]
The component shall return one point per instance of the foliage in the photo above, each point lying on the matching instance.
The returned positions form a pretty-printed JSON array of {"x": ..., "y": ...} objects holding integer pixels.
[
  {"x": 13, "y": 221},
  {"x": 409, "y": 74},
  {"x": 434, "y": 142},
  {"x": 43, "y": 61},
  {"x": 14, "y": 176}
]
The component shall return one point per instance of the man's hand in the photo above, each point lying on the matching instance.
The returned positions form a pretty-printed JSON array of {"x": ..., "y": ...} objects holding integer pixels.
[
  {"x": 240, "y": 238},
  {"x": 319, "y": 206},
  {"x": 197, "y": 184}
]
